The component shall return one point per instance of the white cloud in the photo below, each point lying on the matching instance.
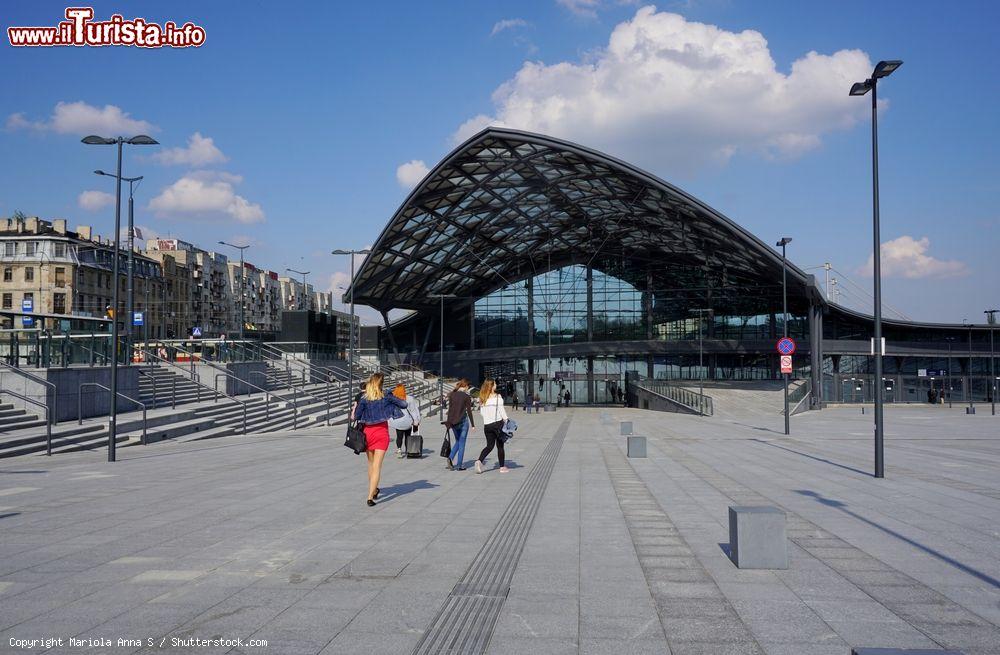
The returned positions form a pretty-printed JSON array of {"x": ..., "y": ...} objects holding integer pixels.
[
  {"x": 508, "y": 24},
  {"x": 409, "y": 174},
  {"x": 200, "y": 150},
  {"x": 82, "y": 119},
  {"x": 207, "y": 193},
  {"x": 674, "y": 96},
  {"x": 94, "y": 200},
  {"x": 907, "y": 257},
  {"x": 586, "y": 8}
]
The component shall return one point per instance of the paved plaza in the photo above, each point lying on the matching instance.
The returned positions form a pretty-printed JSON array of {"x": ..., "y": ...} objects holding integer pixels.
[{"x": 577, "y": 549}]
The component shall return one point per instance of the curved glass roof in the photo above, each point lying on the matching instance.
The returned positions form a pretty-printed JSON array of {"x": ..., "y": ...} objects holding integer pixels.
[{"x": 506, "y": 205}]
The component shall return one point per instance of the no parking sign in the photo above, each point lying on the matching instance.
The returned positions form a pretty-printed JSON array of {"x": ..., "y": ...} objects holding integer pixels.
[
  {"x": 786, "y": 346},
  {"x": 786, "y": 363}
]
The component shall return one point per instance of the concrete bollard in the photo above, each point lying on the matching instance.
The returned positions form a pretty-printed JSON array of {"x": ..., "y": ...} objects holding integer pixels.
[
  {"x": 636, "y": 446},
  {"x": 757, "y": 538},
  {"x": 626, "y": 428}
]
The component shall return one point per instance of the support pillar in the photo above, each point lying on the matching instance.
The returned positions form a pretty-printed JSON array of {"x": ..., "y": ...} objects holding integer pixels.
[
  {"x": 388, "y": 331},
  {"x": 590, "y": 304},
  {"x": 529, "y": 287},
  {"x": 590, "y": 380}
]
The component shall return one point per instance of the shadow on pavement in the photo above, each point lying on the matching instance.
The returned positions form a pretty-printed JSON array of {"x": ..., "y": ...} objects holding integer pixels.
[
  {"x": 818, "y": 459},
  {"x": 397, "y": 490},
  {"x": 842, "y": 506}
]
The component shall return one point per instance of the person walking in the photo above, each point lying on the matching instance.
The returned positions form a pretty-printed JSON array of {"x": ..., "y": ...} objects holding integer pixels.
[
  {"x": 494, "y": 415},
  {"x": 459, "y": 421},
  {"x": 566, "y": 397},
  {"x": 537, "y": 402},
  {"x": 374, "y": 410},
  {"x": 407, "y": 423},
  {"x": 513, "y": 401}
]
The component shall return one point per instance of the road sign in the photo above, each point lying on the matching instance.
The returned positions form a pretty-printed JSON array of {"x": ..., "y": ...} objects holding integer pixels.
[
  {"x": 786, "y": 363},
  {"x": 786, "y": 346},
  {"x": 196, "y": 332},
  {"x": 27, "y": 321},
  {"x": 27, "y": 305},
  {"x": 137, "y": 319}
]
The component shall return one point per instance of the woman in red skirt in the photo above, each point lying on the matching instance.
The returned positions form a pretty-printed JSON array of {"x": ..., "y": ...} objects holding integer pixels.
[{"x": 374, "y": 410}]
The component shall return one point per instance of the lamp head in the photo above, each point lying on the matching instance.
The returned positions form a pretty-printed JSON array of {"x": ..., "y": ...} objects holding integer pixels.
[
  {"x": 142, "y": 140},
  {"x": 784, "y": 241},
  {"x": 886, "y": 68},
  {"x": 94, "y": 140},
  {"x": 861, "y": 88}
]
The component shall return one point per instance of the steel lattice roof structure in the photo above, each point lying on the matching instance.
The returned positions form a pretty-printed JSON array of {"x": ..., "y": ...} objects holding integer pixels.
[{"x": 507, "y": 205}]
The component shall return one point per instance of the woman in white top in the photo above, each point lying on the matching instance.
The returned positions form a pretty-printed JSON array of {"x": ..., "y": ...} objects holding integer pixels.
[
  {"x": 494, "y": 415},
  {"x": 408, "y": 422}
]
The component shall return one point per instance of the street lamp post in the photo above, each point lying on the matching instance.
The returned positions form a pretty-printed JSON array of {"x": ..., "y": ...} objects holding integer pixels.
[
  {"x": 882, "y": 69},
  {"x": 305, "y": 304},
  {"x": 442, "y": 296},
  {"x": 991, "y": 319},
  {"x": 139, "y": 140},
  {"x": 701, "y": 357},
  {"x": 971, "y": 408},
  {"x": 784, "y": 310},
  {"x": 243, "y": 278},
  {"x": 951, "y": 385},
  {"x": 129, "y": 294},
  {"x": 350, "y": 339}
]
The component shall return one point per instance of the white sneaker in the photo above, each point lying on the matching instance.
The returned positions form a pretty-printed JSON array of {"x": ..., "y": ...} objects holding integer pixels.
[
  {"x": 504, "y": 469},
  {"x": 479, "y": 466},
  {"x": 399, "y": 453}
]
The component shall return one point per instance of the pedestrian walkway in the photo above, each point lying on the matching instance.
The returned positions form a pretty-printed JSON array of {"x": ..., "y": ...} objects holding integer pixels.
[{"x": 577, "y": 550}]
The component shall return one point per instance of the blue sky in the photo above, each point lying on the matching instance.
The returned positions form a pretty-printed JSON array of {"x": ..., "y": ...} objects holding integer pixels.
[{"x": 312, "y": 107}]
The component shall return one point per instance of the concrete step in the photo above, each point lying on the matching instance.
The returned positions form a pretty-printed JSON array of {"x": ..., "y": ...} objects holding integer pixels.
[
  {"x": 11, "y": 411},
  {"x": 36, "y": 434},
  {"x": 65, "y": 442},
  {"x": 20, "y": 423},
  {"x": 97, "y": 441}
]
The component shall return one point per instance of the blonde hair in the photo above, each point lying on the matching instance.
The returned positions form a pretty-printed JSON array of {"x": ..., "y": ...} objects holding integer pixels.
[
  {"x": 399, "y": 391},
  {"x": 373, "y": 388},
  {"x": 485, "y": 391}
]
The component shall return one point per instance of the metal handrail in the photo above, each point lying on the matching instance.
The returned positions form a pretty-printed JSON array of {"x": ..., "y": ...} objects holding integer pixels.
[
  {"x": 79, "y": 405},
  {"x": 326, "y": 370},
  {"x": 267, "y": 395},
  {"x": 196, "y": 379},
  {"x": 693, "y": 400},
  {"x": 48, "y": 422},
  {"x": 34, "y": 378},
  {"x": 173, "y": 391}
]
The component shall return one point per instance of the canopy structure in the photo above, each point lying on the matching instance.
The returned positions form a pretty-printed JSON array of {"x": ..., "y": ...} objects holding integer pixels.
[{"x": 506, "y": 205}]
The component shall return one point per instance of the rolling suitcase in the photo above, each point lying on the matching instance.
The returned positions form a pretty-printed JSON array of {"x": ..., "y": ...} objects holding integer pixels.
[{"x": 414, "y": 446}]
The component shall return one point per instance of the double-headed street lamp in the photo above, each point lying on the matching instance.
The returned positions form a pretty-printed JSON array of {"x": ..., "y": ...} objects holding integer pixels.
[
  {"x": 305, "y": 304},
  {"x": 129, "y": 297},
  {"x": 350, "y": 340},
  {"x": 882, "y": 69},
  {"x": 441, "y": 296},
  {"x": 991, "y": 320},
  {"x": 139, "y": 140},
  {"x": 784, "y": 310},
  {"x": 243, "y": 277}
]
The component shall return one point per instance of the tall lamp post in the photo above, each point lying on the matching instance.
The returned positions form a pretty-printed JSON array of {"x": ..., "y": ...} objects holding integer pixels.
[
  {"x": 784, "y": 310},
  {"x": 882, "y": 69},
  {"x": 991, "y": 319},
  {"x": 701, "y": 357},
  {"x": 951, "y": 385},
  {"x": 305, "y": 304},
  {"x": 442, "y": 296},
  {"x": 139, "y": 140},
  {"x": 130, "y": 296},
  {"x": 350, "y": 339},
  {"x": 243, "y": 282}
]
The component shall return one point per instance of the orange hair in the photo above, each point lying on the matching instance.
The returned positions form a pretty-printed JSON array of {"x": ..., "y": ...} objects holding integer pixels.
[{"x": 399, "y": 392}]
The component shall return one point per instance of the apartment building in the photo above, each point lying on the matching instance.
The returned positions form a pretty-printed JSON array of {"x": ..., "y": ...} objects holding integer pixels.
[{"x": 46, "y": 268}]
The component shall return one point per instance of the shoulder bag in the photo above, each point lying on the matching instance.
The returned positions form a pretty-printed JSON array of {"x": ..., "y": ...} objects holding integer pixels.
[
  {"x": 446, "y": 444},
  {"x": 356, "y": 438}
]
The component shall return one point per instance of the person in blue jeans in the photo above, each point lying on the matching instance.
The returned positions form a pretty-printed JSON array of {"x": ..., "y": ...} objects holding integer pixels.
[{"x": 459, "y": 421}]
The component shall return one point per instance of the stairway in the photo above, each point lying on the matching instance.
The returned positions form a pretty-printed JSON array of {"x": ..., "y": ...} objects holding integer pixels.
[
  {"x": 15, "y": 418},
  {"x": 163, "y": 381}
]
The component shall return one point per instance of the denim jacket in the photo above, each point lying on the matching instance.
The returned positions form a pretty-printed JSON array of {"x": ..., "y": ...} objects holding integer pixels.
[{"x": 370, "y": 412}]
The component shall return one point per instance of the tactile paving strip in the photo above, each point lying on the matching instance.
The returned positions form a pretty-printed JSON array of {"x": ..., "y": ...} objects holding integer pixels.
[{"x": 465, "y": 622}]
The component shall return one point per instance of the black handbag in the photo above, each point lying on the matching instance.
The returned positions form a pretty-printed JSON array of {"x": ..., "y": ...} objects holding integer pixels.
[
  {"x": 356, "y": 438},
  {"x": 446, "y": 444}
]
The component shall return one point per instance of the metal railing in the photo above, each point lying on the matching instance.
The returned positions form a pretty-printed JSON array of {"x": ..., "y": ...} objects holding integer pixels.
[
  {"x": 798, "y": 396},
  {"x": 267, "y": 395},
  {"x": 34, "y": 378},
  {"x": 693, "y": 400},
  {"x": 196, "y": 379},
  {"x": 48, "y": 418},
  {"x": 79, "y": 405},
  {"x": 173, "y": 392}
]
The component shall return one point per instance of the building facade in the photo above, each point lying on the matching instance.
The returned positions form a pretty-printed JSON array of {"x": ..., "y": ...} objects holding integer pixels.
[{"x": 557, "y": 267}]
